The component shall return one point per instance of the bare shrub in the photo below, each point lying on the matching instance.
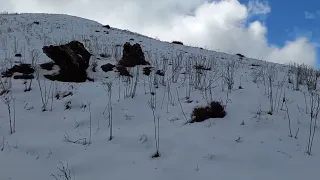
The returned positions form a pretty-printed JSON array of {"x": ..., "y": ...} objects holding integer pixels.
[
  {"x": 271, "y": 74},
  {"x": 176, "y": 66},
  {"x": 311, "y": 78},
  {"x": 34, "y": 55},
  {"x": 314, "y": 104},
  {"x": 94, "y": 65},
  {"x": 46, "y": 93},
  {"x": 300, "y": 74},
  {"x": 64, "y": 173},
  {"x": 229, "y": 73},
  {"x": 9, "y": 101},
  {"x": 5, "y": 85}
]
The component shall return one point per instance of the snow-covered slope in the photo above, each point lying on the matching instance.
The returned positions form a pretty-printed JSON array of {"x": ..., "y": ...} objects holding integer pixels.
[{"x": 247, "y": 144}]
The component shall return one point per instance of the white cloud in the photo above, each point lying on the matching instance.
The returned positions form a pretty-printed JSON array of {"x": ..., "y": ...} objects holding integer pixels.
[
  {"x": 220, "y": 24},
  {"x": 256, "y": 7},
  {"x": 309, "y": 15},
  {"x": 300, "y": 49}
]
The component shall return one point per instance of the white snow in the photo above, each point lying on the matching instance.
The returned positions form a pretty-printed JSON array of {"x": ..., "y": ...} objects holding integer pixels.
[{"x": 204, "y": 150}]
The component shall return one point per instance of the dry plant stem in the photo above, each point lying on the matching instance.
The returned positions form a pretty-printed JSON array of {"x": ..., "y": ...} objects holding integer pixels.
[
  {"x": 8, "y": 99},
  {"x": 119, "y": 77},
  {"x": 90, "y": 122},
  {"x": 108, "y": 88},
  {"x": 14, "y": 114},
  {"x": 34, "y": 54},
  {"x": 152, "y": 106},
  {"x": 271, "y": 76},
  {"x": 184, "y": 114},
  {"x": 289, "y": 120},
  {"x": 82, "y": 141},
  {"x": 65, "y": 173},
  {"x": 134, "y": 89},
  {"x": 296, "y": 136},
  {"x": 2, "y": 148},
  {"x": 158, "y": 131}
]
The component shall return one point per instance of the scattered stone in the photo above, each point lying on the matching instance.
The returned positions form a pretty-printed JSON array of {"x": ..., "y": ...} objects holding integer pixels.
[
  {"x": 255, "y": 65},
  {"x": 103, "y": 55},
  {"x": 147, "y": 70},
  {"x": 201, "y": 67},
  {"x": 160, "y": 72},
  {"x": 63, "y": 95},
  {"x": 107, "y": 67}
]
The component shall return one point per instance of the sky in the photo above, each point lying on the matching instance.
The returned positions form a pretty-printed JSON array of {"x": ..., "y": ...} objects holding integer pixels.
[{"x": 280, "y": 31}]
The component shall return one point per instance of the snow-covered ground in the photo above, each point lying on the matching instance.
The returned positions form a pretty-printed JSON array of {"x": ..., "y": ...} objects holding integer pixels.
[{"x": 248, "y": 144}]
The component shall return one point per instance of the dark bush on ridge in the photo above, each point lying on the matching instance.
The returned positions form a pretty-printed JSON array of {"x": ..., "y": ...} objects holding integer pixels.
[{"x": 177, "y": 42}]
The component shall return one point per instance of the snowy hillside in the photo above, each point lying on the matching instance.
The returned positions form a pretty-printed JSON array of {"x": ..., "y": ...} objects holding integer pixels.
[{"x": 269, "y": 132}]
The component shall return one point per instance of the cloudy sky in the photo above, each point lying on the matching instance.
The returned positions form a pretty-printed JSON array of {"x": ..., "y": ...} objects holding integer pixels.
[{"x": 273, "y": 30}]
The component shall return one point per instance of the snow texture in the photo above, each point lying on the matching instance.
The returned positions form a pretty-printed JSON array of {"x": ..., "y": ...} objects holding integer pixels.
[{"x": 248, "y": 144}]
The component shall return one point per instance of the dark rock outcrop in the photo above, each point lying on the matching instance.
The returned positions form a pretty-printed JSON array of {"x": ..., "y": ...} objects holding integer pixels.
[
  {"x": 240, "y": 55},
  {"x": 24, "y": 76},
  {"x": 132, "y": 56},
  {"x": 212, "y": 110},
  {"x": 47, "y": 66},
  {"x": 123, "y": 71},
  {"x": 73, "y": 60},
  {"x": 107, "y": 26}
]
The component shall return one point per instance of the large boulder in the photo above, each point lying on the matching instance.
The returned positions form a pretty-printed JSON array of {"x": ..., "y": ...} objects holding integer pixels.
[
  {"x": 132, "y": 56},
  {"x": 73, "y": 60}
]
